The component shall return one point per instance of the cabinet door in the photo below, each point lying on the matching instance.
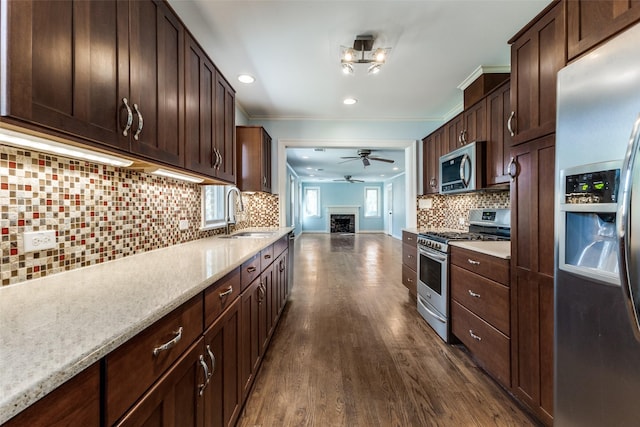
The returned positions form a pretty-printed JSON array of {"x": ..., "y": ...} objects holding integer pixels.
[
  {"x": 591, "y": 22},
  {"x": 266, "y": 162},
  {"x": 498, "y": 137},
  {"x": 536, "y": 57},
  {"x": 63, "y": 67},
  {"x": 250, "y": 302},
  {"x": 174, "y": 400},
  {"x": 157, "y": 84},
  {"x": 225, "y": 125},
  {"x": 431, "y": 152},
  {"x": 475, "y": 123},
  {"x": 532, "y": 196},
  {"x": 222, "y": 347},
  {"x": 269, "y": 316},
  {"x": 200, "y": 130},
  {"x": 453, "y": 134},
  {"x": 283, "y": 278},
  {"x": 76, "y": 402}
]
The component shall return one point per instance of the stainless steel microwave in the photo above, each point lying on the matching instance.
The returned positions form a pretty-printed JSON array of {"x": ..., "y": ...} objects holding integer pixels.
[{"x": 461, "y": 170}]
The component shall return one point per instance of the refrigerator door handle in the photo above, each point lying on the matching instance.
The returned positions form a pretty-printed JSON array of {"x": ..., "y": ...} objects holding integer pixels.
[{"x": 628, "y": 256}]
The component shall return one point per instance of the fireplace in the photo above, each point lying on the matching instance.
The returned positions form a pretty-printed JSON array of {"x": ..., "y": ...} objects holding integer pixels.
[
  {"x": 347, "y": 219},
  {"x": 342, "y": 223}
]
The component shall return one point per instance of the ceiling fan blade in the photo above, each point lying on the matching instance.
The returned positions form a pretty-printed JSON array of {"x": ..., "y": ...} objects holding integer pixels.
[
  {"x": 350, "y": 157},
  {"x": 350, "y": 160},
  {"x": 378, "y": 159},
  {"x": 365, "y": 161}
]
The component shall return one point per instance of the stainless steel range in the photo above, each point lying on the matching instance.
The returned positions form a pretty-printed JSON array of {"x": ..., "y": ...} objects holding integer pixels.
[{"x": 433, "y": 262}]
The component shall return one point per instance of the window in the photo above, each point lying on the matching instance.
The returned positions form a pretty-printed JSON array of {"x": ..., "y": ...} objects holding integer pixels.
[
  {"x": 312, "y": 201},
  {"x": 371, "y": 201},
  {"x": 213, "y": 206}
]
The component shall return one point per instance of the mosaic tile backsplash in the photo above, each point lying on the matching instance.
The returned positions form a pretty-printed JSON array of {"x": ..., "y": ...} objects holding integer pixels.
[
  {"x": 446, "y": 210},
  {"x": 100, "y": 212}
]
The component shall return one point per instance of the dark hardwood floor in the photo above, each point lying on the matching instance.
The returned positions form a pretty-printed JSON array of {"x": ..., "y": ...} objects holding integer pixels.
[{"x": 351, "y": 350}]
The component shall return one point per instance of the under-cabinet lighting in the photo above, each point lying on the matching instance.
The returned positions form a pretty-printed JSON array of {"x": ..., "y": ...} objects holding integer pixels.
[
  {"x": 36, "y": 143},
  {"x": 175, "y": 175}
]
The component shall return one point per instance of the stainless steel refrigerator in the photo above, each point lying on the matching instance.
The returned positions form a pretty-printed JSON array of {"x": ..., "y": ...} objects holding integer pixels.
[{"x": 597, "y": 255}]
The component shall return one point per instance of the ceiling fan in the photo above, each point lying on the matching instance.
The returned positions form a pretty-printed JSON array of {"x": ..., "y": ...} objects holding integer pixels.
[
  {"x": 365, "y": 156},
  {"x": 347, "y": 178}
]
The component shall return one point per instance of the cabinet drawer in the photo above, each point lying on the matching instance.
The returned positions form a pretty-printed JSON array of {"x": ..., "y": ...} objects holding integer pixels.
[
  {"x": 410, "y": 279},
  {"x": 410, "y": 256},
  {"x": 133, "y": 367},
  {"x": 221, "y": 295},
  {"x": 267, "y": 257},
  {"x": 249, "y": 270},
  {"x": 280, "y": 246},
  {"x": 491, "y": 267},
  {"x": 409, "y": 238},
  {"x": 489, "y": 347},
  {"x": 486, "y": 298}
]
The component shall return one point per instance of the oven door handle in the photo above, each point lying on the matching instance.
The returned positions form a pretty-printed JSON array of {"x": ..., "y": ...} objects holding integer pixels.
[
  {"x": 432, "y": 254},
  {"x": 424, "y": 305}
]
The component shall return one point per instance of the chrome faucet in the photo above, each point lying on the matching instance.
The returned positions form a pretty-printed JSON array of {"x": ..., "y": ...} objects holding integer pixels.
[{"x": 227, "y": 205}]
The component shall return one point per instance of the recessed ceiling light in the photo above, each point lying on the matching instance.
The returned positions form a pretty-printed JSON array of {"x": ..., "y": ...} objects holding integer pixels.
[
  {"x": 305, "y": 157},
  {"x": 349, "y": 101},
  {"x": 246, "y": 78},
  {"x": 312, "y": 175},
  {"x": 395, "y": 169},
  {"x": 381, "y": 174},
  {"x": 309, "y": 168}
]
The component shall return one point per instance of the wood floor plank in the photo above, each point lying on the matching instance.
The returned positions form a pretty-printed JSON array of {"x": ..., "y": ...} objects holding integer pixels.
[{"x": 352, "y": 350}]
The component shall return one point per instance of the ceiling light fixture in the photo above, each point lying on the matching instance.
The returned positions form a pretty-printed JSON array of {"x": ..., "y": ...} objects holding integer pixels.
[
  {"x": 175, "y": 175},
  {"x": 362, "y": 53},
  {"x": 349, "y": 101},
  {"x": 246, "y": 78},
  {"x": 36, "y": 143}
]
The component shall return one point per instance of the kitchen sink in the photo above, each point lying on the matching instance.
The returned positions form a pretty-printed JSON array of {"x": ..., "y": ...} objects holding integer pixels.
[{"x": 249, "y": 234}]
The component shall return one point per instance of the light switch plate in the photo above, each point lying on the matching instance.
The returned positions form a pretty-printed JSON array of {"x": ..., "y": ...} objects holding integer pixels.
[
  {"x": 39, "y": 240},
  {"x": 184, "y": 224}
]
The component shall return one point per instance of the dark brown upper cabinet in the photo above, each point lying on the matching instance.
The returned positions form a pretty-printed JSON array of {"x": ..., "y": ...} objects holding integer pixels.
[
  {"x": 591, "y": 22},
  {"x": 107, "y": 72},
  {"x": 537, "y": 54},
  {"x": 498, "y": 137},
  {"x": 432, "y": 148},
  {"x": 209, "y": 116},
  {"x": 253, "y": 158}
]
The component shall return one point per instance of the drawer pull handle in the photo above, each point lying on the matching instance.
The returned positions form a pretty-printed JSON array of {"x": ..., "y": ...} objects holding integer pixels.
[
  {"x": 213, "y": 362},
  {"x": 474, "y": 336},
  {"x": 267, "y": 257},
  {"x": 281, "y": 266},
  {"x": 409, "y": 280},
  {"x": 227, "y": 292},
  {"x": 410, "y": 256},
  {"x": 251, "y": 269},
  {"x": 169, "y": 344},
  {"x": 473, "y": 294},
  {"x": 202, "y": 386},
  {"x": 472, "y": 262}
]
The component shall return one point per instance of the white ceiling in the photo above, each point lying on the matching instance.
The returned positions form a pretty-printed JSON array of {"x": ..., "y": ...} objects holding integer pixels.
[{"x": 293, "y": 47}]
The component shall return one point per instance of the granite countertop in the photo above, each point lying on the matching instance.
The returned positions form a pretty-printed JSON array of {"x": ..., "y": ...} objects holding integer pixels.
[
  {"x": 500, "y": 249},
  {"x": 56, "y": 326}
]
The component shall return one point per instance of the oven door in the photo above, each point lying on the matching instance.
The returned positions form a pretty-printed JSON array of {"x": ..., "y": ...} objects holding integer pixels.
[{"x": 432, "y": 279}]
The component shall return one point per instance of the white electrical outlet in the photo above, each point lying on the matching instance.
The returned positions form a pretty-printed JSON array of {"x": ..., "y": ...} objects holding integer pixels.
[
  {"x": 184, "y": 224},
  {"x": 461, "y": 220},
  {"x": 39, "y": 240},
  {"x": 425, "y": 203}
]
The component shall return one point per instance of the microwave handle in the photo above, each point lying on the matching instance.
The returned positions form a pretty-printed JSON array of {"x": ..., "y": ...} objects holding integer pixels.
[
  {"x": 625, "y": 220},
  {"x": 463, "y": 175}
]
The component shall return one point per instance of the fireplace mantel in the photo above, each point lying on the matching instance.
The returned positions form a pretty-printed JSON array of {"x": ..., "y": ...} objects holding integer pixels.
[{"x": 343, "y": 210}]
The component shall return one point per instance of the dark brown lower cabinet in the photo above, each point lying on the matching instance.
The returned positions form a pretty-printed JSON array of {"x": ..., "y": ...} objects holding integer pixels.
[
  {"x": 174, "y": 400},
  {"x": 222, "y": 348},
  {"x": 266, "y": 311},
  {"x": 76, "y": 402},
  {"x": 251, "y": 306},
  {"x": 532, "y": 260}
]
